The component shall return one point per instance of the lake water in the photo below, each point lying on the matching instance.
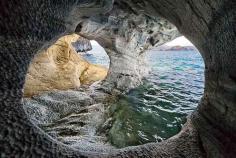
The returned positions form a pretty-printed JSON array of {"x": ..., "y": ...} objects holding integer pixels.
[{"x": 157, "y": 109}]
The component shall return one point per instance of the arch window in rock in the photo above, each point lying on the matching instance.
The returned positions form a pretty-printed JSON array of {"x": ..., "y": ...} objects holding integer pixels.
[
  {"x": 63, "y": 66},
  {"x": 97, "y": 55},
  {"x": 157, "y": 109},
  {"x": 60, "y": 91}
]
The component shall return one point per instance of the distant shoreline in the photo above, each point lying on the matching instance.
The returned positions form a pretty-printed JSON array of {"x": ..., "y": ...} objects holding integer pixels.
[{"x": 175, "y": 48}]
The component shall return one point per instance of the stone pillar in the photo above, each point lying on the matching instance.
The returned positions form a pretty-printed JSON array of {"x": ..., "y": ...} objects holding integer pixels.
[{"x": 126, "y": 71}]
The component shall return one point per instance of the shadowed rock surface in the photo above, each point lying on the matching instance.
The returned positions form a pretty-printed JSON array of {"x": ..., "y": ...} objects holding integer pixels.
[{"x": 28, "y": 26}]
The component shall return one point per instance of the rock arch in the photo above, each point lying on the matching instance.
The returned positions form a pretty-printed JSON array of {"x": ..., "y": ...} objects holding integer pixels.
[
  {"x": 27, "y": 25},
  {"x": 126, "y": 35}
]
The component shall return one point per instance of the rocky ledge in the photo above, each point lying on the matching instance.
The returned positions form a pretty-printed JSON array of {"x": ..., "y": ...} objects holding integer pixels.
[
  {"x": 79, "y": 119},
  {"x": 73, "y": 117}
]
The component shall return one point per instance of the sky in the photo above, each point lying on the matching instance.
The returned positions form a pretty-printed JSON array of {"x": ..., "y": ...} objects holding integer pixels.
[
  {"x": 94, "y": 42},
  {"x": 180, "y": 41}
]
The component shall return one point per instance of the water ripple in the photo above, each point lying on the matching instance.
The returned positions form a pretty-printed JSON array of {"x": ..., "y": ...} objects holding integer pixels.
[{"x": 157, "y": 110}]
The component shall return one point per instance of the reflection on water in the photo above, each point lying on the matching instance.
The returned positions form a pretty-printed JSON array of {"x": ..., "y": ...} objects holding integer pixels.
[{"x": 157, "y": 109}]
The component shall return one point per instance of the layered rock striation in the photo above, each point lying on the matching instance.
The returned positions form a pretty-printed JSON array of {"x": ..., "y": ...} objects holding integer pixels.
[
  {"x": 61, "y": 67},
  {"x": 73, "y": 117}
]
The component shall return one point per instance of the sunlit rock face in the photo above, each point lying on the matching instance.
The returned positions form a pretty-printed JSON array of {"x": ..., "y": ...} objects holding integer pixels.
[
  {"x": 126, "y": 35},
  {"x": 61, "y": 67}
]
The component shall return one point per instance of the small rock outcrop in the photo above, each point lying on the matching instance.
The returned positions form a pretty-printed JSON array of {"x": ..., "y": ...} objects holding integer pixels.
[{"x": 61, "y": 67}]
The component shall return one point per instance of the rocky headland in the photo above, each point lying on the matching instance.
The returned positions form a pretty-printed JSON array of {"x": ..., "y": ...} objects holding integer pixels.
[{"x": 175, "y": 48}]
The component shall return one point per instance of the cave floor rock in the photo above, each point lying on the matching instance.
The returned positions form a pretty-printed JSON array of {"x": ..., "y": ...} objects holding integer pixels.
[{"x": 73, "y": 117}]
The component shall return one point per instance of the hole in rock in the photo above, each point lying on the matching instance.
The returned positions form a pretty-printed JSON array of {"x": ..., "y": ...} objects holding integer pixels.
[
  {"x": 69, "y": 63},
  {"x": 62, "y": 88},
  {"x": 97, "y": 55},
  {"x": 157, "y": 110},
  {"x": 152, "y": 112}
]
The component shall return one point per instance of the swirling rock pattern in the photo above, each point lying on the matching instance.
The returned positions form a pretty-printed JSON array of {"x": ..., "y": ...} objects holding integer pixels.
[
  {"x": 61, "y": 67},
  {"x": 27, "y": 26}
]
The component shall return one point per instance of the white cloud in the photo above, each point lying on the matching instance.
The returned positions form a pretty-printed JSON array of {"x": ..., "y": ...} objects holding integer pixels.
[
  {"x": 96, "y": 48},
  {"x": 181, "y": 41},
  {"x": 94, "y": 43}
]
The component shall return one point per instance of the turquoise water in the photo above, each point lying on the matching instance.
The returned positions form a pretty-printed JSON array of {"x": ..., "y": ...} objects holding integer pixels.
[{"x": 157, "y": 109}]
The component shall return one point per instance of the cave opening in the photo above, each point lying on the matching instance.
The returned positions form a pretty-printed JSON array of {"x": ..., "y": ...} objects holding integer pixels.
[
  {"x": 159, "y": 89},
  {"x": 123, "y": 26},
  {"x": 158, "y": 108},
  {"x": 97, "y": 55},
  {"x": 69, "y": 63},
  {"x": 62, "y": 90}
]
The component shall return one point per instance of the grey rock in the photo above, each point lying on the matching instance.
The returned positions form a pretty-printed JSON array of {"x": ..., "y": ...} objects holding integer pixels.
[
  {"x": 82, "y": 45},
  {"x": 29, "y": 26},
  {"x": 70, "y": 117},
  {"x": 126, "y": 36}
]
